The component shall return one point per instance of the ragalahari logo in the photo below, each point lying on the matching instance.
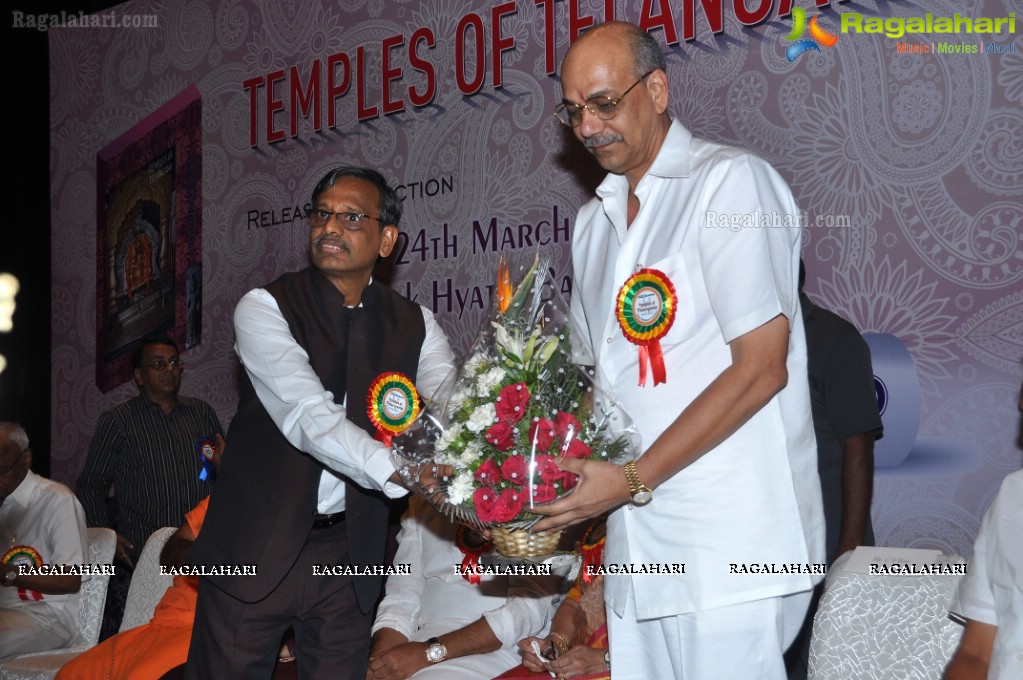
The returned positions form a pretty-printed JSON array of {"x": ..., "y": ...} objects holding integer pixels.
[{"x": 818, "y": 36}]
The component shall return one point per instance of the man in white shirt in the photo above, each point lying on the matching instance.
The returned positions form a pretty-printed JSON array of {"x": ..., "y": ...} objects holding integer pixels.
[
  {"x": 41, "y": 522},
  {"x": 434, "y": 624},
  {"x": 687, "y": 303},
  {"x": 309, "y": 477},
  {"x": 992, "y": 644}
]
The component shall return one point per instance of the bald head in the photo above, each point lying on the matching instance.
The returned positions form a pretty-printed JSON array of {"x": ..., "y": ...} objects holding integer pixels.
[
  {"x": 616, "y": 89},
  {"x": 644, "y": 53}
]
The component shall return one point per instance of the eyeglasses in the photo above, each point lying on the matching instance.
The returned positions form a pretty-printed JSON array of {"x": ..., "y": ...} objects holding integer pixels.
[
  {"x": 6, "y": 470},
  {"x": 603, "y": 108},
  {"x": 174, "y": 364},
  {"x": 350, "y": 221}
]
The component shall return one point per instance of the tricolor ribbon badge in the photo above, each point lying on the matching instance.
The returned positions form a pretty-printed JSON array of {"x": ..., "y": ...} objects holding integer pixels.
[
  {"x": 818, "y": 36},
  {"x": 207, "y": 449},
  {"x": 646, "y": 309},
  {"x": 24, "y": 555},
  {"x": 392, "y": 405}
]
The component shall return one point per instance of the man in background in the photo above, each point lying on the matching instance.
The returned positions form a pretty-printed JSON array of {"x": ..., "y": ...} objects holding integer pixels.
[
  {"x": 846, "y": 422},
  {"x": 436, "y": 624},
  {"x": 41, "y": 522},
  {"x": 148, "y": 451},
  {"x": 990, "y": 596}
]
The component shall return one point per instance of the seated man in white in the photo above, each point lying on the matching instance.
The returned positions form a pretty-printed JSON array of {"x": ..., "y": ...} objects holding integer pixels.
[
  {"x": 434, "y": 625},
  {"x": 41, "y": 522},
  {"x": 990, "y": 596}
]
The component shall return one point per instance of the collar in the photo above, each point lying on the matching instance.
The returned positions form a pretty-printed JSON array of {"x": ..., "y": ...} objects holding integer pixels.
[
  {"x": 672, "y": 161},
  {"x": 178, "y": 401},
  {"x": 370, "y": 293},
  {"x": 23, "y": 493}
]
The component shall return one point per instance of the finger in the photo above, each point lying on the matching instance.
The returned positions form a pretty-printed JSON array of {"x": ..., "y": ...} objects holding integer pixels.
[
  {"x": 570, "y": 464},
  {"x": 559, "y": 522}
]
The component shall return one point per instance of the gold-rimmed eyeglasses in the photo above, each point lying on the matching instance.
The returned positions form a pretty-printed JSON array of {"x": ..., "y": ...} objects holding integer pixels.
[
  {"x": 604, "y": 108},
  {"x": 350, "y": 221}
]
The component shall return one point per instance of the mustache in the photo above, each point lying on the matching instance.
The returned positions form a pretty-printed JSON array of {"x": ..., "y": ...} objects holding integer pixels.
[
  {"x": 333, "y": 241},
  {"x": 602, "y": 139}
]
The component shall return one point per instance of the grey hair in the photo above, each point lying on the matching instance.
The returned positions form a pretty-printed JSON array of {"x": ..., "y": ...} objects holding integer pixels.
[
  {"x": 646, "y": 53},
  {"x": 16, "y": 433}
]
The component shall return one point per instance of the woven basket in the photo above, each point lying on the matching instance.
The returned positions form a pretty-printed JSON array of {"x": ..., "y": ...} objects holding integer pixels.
[{"x": 521, "y": 543}]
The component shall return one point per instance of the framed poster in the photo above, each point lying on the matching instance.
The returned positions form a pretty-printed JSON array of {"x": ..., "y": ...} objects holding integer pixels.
[{"x": 149, "y": 236}]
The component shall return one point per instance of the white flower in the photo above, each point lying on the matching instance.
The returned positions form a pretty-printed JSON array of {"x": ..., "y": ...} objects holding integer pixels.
[
  {"x": 474, "y": 363},
  {"x": 458, "y": 397},
  {"x": 460, "y": 489},
  {"x": 472, "y": 453},
  {"x": 510, "y": 343},
  {"x": 482, "y": 418},
  {"x": 489, "y": 380},
  {"x": 448, "y": 438}
]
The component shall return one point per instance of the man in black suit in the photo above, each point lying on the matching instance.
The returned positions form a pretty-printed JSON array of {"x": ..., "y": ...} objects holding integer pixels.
[{"x": 307, "y": 483}]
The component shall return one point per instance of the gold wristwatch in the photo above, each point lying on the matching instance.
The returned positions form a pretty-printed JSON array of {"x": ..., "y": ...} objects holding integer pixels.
[{"x": 641, "y": 493}]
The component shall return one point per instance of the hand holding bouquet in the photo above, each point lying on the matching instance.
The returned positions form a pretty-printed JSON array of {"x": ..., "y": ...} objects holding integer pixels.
[{"x": 518, "y": 403}]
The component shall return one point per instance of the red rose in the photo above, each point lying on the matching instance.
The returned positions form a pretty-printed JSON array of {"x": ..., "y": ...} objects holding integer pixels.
[
  {"x": 488, "y": 473},
  {"x": 576, "y": 448},
  {"x": 567, "y": 424},
  {"x": 547, "y": 469},
  {"x": 542, "y": 433},
  {"x": 515, "y": 469},
  {"x": 485, "y": 499},
  {"x": 542, "y": 493},
  {"x": 508, "y": 506},
  {"x": 511, "y": 402},
  {"x": 500, "y": 435},
  {"x": 569, "y": 480}
]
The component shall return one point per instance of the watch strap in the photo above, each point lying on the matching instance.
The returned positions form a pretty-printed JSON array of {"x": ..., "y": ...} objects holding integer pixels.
[{"x": 632, "y": 477}]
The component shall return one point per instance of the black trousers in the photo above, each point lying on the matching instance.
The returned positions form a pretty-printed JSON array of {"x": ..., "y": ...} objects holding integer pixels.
[{"x": 232, "y": 639}]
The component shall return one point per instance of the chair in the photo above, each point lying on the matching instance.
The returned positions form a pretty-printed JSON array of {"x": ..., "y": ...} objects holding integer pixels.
[
  {"x": 44, "y": 665},
  {"x": 884, "y": 627},
  {"x": 147, "y": 583}
]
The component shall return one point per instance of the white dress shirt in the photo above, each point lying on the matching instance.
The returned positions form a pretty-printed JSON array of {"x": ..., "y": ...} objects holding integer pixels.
[
  {"x": 304, "y": 411},
  {"x": 992, "y": 590},
  {"x": 756, "y": 496}
]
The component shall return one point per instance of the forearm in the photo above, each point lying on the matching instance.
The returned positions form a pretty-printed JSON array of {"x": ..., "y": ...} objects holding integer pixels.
[
  {"x": 857, "y": 489},
  {"x": 47, "y": 585},
  {"x": 476, "y": 638},
  {"x": 727, "y": 403},
  {"x": 565, "y": 620}
]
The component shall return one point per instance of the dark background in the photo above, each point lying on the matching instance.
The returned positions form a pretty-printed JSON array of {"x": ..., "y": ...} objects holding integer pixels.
[{"x": 25, "y": 236}]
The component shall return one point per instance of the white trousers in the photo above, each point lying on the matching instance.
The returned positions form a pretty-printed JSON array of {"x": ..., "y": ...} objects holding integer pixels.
[{"x": 744, "y": 641}]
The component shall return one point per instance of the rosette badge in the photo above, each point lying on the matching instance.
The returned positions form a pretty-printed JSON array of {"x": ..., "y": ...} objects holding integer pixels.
[
  {"x": 392, "y": 405},
  {"x": 517, "y": 404},
  {"x": 646, "y": 310}
]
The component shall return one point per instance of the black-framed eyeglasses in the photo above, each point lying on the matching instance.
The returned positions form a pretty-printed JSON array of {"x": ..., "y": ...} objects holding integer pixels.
[
  {"x": 350, "y": 221},
  {"x": 4, "y": 472},
  {"x": 604, "y": 108},
  {"x": 160, "y": 364}
]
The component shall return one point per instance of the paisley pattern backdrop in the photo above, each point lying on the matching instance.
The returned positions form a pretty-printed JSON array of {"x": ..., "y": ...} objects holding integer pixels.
[{"x": 921, "y": 156}]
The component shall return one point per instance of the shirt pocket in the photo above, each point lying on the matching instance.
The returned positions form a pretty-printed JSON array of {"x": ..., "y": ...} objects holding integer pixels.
[{"x": 674, "y": 275}]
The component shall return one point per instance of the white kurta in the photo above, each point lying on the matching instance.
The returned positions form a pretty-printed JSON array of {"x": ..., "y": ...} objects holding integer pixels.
[
  {"x": 992, "y": 590},
  {"x": 43, "y": 515},
  {"x": 756, "y": 497},
  {"x": 433, "y": 600}
]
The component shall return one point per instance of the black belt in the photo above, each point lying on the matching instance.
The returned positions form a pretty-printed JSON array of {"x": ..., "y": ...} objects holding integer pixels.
[{"x": 324, "y": 521}]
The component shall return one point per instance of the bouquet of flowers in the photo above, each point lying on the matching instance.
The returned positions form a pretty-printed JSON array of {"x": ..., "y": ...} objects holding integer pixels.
[{"x": 517, "y": 403}]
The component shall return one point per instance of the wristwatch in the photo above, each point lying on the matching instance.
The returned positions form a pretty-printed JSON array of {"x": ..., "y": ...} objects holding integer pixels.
[
  {"x": 436, "y": 652},
  {"x": 641, "y": 494}
]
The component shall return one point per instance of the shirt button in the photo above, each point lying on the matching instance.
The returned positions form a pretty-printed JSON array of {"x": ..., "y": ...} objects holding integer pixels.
[{"x": 609, "y": 341}]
